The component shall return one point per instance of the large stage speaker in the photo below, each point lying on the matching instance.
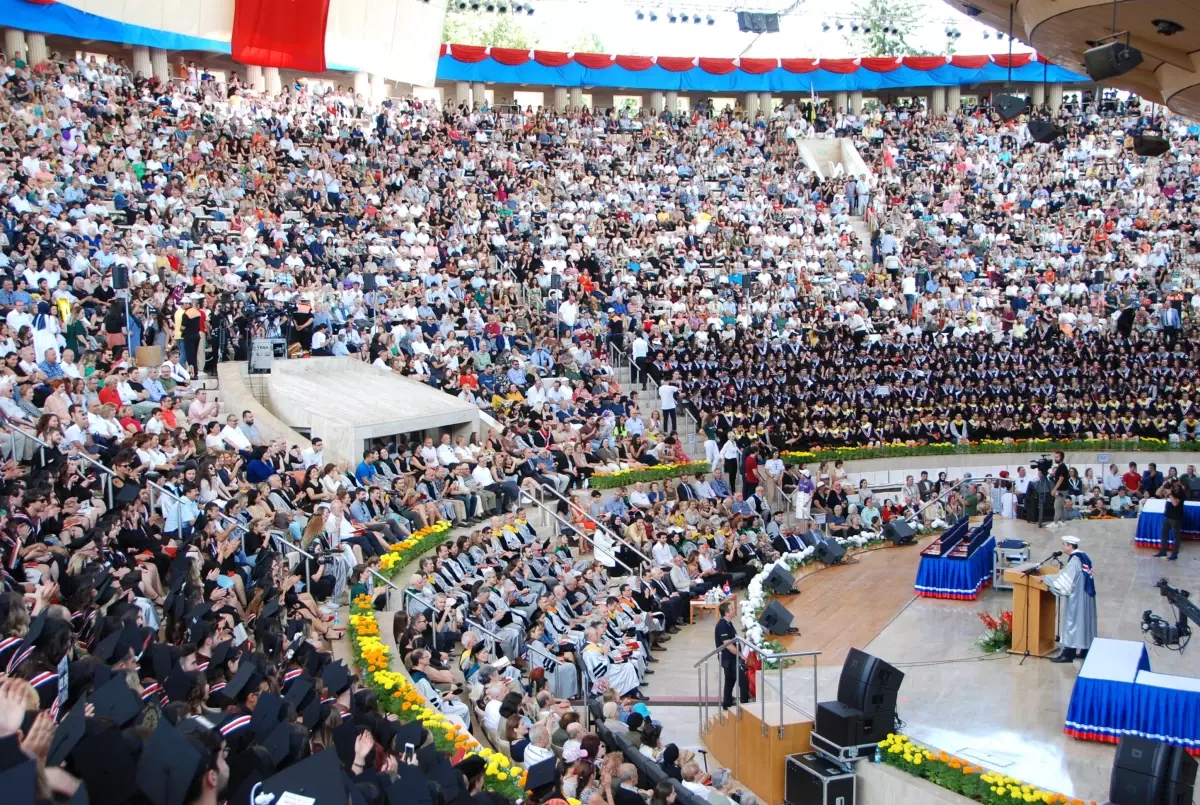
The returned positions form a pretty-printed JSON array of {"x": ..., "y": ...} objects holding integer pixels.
[
  {"x": 778, "y": 581},
  {"x": 1043, "y": 130},
  {"x": 120, "y": 277},
  {"x": 1110, "y": 60},
  {"x": 757, "y": 22},
  {"x": 829, "y": 552},
  {"x": 868, "y": 683},
  {"x": 843, "y": 725},
  {"x": 900, "y": 532},
  {"x": 1181, "y": 778},
  {"x": 1150, "y": 145},
  {"x": 1009, "y": 107},
  {"x": 1139, "y": 771},
  {"x": 775, "y": 618}
]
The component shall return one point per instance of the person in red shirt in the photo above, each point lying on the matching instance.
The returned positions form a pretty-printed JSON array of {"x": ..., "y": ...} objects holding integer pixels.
[
  {"x": 110, "y": 396},
  {"x": 1132, "y": 479}
]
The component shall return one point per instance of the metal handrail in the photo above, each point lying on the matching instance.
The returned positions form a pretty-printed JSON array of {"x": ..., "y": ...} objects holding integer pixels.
[
  {"x": 702, "y": 675},
  {"x": 615, "y": 350},
  {"x": 599, "y": 526},
  {"x": 495, "y": 638},
  {"x": 559, "y": 521}
]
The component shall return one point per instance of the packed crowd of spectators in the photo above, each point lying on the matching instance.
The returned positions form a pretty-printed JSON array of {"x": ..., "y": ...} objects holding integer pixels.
[{"x": 159, "y": 639}]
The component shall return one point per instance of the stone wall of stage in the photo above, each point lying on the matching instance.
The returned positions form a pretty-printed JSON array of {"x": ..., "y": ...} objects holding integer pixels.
[{"x": 879, "y": 784}]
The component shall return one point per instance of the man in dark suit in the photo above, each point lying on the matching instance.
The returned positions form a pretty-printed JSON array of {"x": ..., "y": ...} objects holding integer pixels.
[{"x": 725, "y": 634}]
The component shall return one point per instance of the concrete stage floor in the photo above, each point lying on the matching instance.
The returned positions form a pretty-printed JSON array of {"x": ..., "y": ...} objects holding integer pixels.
[{"x": 1005, "y": 715}]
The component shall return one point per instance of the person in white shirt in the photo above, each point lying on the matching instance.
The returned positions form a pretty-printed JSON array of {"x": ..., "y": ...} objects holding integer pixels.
[
  {"x": 771, "y": 476},
  {"x": 232, "y": 435},
  {"x": 538, "y": 748},
  {"x": 314, "y": 456},
  {"x": 429, "y": 453},
  {"x": 1112, "y": 480},
  {"x": 662, "y": 553},
  {"x": 666, "y": 398},
  {"x": 445, "y": 452},
  {"x": 690, "y": 773}
]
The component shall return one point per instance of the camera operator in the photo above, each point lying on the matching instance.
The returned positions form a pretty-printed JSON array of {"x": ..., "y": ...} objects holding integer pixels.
[{"x": 1059, "y": 473}]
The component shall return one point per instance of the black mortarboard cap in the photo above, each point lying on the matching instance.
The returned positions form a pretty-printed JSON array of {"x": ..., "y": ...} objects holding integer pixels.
[
  {"x": 336, "y": 677},
  {"x": 277, "y": 742},
  {"x": 318, "y": 778},
  {"x": 237, "y": 687},
  {"x": 128, "y": 493},
  {"x": 311, "y": 714},
  {"x": 343, "y": 740},
  {"x": 427, "y": 757},
  {"x": 19, "y": 782},
  {"x": 181, "y": 568},
  {"x": 247, "y": 769},
  {"x": 298, "y": 691},
  {"x": 410, "y": 788},
  {"x": 472, "y": 766},
  {"x": 199, "y": 611},
  {"x": 105, "y": 763},
  {"x": 447, "y": 777},
  {"x": 175, "y": 605},
  {"x": 179, "y": 683},
  {"x": 223, "y": 652},
  {"x": 110, "y": 648},
  {"x": 270, "y": 710},
  {"x": 168, "y": 766},
  {"x": 116, "y": 702},
  {"x": 270, "y": 609},
  {"x": 159, "y": 662},
  {"x": 542, "y": 774},
  {"x": 67, "y": 736},
  {"x": 411, "y": 733}
]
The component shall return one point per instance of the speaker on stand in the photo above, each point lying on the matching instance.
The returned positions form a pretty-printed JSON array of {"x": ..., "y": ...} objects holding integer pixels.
[{"x": 775, "y": 619}]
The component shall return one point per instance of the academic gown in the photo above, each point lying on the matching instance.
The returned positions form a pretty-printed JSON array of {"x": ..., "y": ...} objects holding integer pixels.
[{"x": 1072, "y": 586}]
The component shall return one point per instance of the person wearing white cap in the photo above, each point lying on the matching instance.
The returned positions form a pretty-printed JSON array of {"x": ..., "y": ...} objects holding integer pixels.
[{"x": 1076, "y": 589}]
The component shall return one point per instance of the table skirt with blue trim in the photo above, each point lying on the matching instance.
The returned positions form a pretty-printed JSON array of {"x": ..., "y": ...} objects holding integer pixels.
[{"x": 957, "y": 579}]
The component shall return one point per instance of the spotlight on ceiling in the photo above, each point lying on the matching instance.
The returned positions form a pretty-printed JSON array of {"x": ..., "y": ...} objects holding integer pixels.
[
  {"x": 475, "y": 5},
  {"x": 866, "y": 29},
  {"x": 1111, "y": 60},
  {"x": 653, "y": 15},
  {"x": 529, "y": 10},
  {"x": 854, "y": 28},
  {"x": 518, "y": 8},
  {"x": 824, "y": 26},
  {"x": 671, "y": 16},
  {"x": 709, "y": 19},
  {"x": 840, "y": 26},
  {"x": 971, "y": 11},
  {"x": 490, "y": 7},
  {"x": 462, "y": 5},
  {"x": 696, "y": 20},
  {"x": 986, "y": 35},
  {"x": 501, "y": 9},
  {"x": 641, "y": 15}
]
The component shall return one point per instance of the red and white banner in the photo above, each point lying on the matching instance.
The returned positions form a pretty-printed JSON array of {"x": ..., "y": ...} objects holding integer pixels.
[{"x": 289, "y": 34}]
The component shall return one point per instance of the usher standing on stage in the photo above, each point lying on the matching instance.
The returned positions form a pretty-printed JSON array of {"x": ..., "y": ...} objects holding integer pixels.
[{"x": 725, "y": 633}]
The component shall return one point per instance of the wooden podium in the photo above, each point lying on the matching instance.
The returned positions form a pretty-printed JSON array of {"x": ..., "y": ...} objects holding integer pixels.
[{"x": 1035, "y": 616}]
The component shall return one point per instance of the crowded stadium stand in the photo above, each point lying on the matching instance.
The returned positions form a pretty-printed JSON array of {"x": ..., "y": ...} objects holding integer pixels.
[{"x": 369, "y": 437}]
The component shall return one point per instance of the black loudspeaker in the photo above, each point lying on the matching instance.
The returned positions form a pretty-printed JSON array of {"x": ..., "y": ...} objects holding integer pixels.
[
  {"x": 1043, "y": 131},
  {"x": 1150, "y": 145},
  {"x": 1181, "y": 777},
  {"x": 1009, "y": 107},
  {"x": 369, "y": 284},
  {"x": 120, "y": 277},
  {"x": 758, "y": 22},
  {"x": 1139, "y": 771},
  {"x": 775, "y": 618},
  {"x": 829, "y": 552},
  {"x": 1110, "y": 60},
  {"x": 900, "y": 532},
  {"x": 842, "y": 725},
  {"x": 868, "y": 683},
  {"x": 778, "y": 581}
]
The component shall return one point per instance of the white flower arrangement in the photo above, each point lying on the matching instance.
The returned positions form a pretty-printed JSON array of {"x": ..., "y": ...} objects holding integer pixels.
[{"x": 756, "y": 600}]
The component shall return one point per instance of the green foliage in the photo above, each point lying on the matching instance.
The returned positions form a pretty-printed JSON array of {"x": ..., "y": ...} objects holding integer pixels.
[
  {"x": 647, "y": 474},
  {"x": 587, "y": 43},
  {"x": 904, "y": 18},
  {"x": 494, "y": 30}
]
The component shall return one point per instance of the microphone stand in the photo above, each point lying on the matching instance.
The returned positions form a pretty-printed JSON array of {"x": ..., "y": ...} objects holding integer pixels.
[{"x": 1032, "y": 572}]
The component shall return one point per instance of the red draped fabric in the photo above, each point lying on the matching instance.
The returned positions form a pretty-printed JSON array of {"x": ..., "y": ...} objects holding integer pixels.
[
  {"x": 798, "y": 65},
  {"x": 881, "y": 64},
  {"x": 925, "y": 63},
  {"x": 551, "y": 58},
  {"x": 468, "y": 54},
  {"x": 717, "y": 66},
  {"x": 676, "y": 64},
  {"x": 289, "y": 34},
  {"x": 1018, "y": 59},
  {"x": 970, "y": 62},
  {"x": 510, "y": 56},
  {"x": 759, "y": 66},
  {"x": 840, "y": 66},
  {"x": 637, "y": 63},
  {"x": 42, "y": 2},
  {"x": 597, "y": 61}
]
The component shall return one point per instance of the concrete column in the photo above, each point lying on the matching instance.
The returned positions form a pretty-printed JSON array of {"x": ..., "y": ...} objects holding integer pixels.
[
  {"x": 576, "y": 97},
  {"x": 560, "y": 98},
  {"x": 255, "y": 78},
  {"x": 602, "y": 99},
  {"x": 159, "y": 65},
  {"x": 766, "y": 104},
  {"x": 841, "y": 101},
  {"x": 1055, "y": 99},
  {"x": 141, "y": 61},
  {"x": 658, "y": 100},
  {"x": 362, "y": 85},
  {"x": 1037, "y": 95},
  {"x": 462, "y": 93},
  {"x": 856, "y": 102},
  {"x": 273, "y": 80},
  {"x": 38, "y": 52},
  {"x": 953, "y": 99},
  {"x": 937, "y": 103},
  {"x": 379, "y": 88},
  {"x": 477, "y": 94},
  {"x": 672, "y": 101},
  {"x": 751, "y": 104},
  {"x": 14, "y": 43}
]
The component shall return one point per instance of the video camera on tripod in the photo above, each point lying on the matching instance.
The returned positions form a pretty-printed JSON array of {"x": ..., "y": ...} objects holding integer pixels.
[
  {"x": 1172, "y": 635},
  {"x": 1044, "y": 464}
]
